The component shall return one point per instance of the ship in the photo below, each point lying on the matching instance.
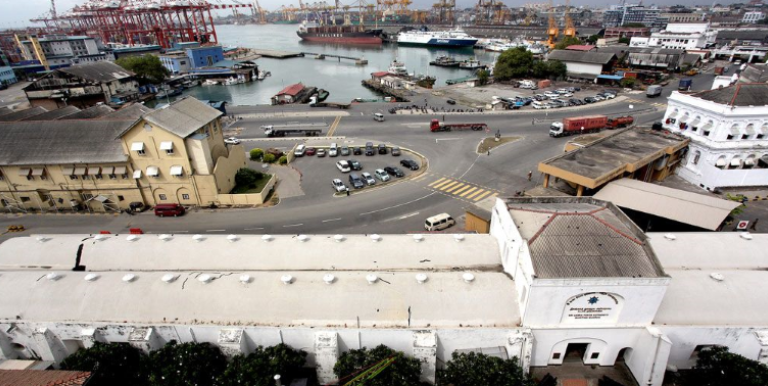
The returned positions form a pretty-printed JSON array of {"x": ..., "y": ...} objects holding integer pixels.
[
  {"x": 341, "y": 34},
  {"x": 445, "y": 61},
  {"x": 454, "y": 38}
]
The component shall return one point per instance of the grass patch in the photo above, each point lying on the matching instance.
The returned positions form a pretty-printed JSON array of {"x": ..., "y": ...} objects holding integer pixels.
[
  {"x": 255, "y": 187},
  {"x": 489, "y": 143}
]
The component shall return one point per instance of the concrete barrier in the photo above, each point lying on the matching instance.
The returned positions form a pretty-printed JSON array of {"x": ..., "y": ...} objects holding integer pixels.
[{"x": 249, "y": 198}]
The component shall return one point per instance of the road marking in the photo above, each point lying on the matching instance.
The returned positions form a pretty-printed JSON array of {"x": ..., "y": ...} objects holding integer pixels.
[
  {"x": 403, "y": 217},
  {"x": 468, "y": 192},
  {"x": 462, "y": 189},
  {"x": 395, "y": 206},
  {"x": 475, "y": 193},
  {"x": 252, "y": 229},
  {"x": 455, "y": 187},
  {"x": 435, "y": 186},
  {"x": 332, "y": 219},
  {"x": 480, "y": 197},
  {"x": 174, "y": 232},
  {"x": 444, "y": 187},
  {"x": 421, "y": 177},
  {"x": 334, "y": 125},
  {"x": 293, "y": 225},
  {"x": 216, "y": 230},
  {"x": 447, "y": 139}
]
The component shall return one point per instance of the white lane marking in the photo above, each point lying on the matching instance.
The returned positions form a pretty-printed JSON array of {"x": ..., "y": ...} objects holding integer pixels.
[
  {"x": 332, "y": 219},
  {"x": 409, "y": 215},
  {"x": 398, "y": 205},
  {"x": 174, "y": 232},
  {"x": 470, "y": 166},
  {"x": 293, "y": 225},
  {"x": 216, "y": 230},
  {"x": 446, "y": 139},
  {"x": 252, "y": 229}
]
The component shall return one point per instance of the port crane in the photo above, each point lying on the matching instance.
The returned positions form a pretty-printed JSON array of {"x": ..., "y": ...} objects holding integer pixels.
[{"x": 552, "y": 30}]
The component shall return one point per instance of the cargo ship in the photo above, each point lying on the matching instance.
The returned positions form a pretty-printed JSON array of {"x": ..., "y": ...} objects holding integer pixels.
[{"x": 341, "y": 34}]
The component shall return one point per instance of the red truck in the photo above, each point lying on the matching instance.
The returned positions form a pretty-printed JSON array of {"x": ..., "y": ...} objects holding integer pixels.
[
  {"x": 588, "y": 124},
  {"x": 435, "y": 126}
]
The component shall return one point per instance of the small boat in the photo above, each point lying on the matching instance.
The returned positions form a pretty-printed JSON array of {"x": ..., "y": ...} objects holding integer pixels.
[
  {"x": 397, "y": 68},
  {"x": 445, "y": 61},
  {"x": 471, "y": 64},
  {"x": 263, "y": 74},
  {"x": 211, "y": 82},
  {"x": 230, "y": 81}
]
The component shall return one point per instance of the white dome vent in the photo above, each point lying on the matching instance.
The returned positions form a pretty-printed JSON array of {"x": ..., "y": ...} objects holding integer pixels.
[
  {"x": 132, "y": 238},
  {"x": 91, "y": 277},
  {"x": 233, "y": 238},
  {"x": 421, "y": 278},
  {"x": 376, "y": 238},
  {"x": 205, "y": 278},
  {"x": 245, "y": 279},
  {"x": 468, "y": 277},
  {"x": 338, "y": 238},
  {"x": 198, "y": 238},
  {"x": 328, "y": 278},
  {"x": 286, "y": 279},
  {"x": 129, "y": 278},
  {"x": 458, "y": 238},
  {"x": 418, "y": 238},
  {"x": 169, "y": 278},
  {"x": 371, "y": 278}
]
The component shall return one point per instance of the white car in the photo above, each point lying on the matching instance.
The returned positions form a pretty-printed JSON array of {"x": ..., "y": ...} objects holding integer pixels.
[
  {"x": 598, "y": 98},
  {"x": 381, "y": 175},
  {"x": 343, "y": 166},
  {"x": 609, "y": 95},
  {"x": 539, "y": 105},
  {"x": 338, "y": 185},
  {"x": 333, "y": 151},
  {"x": 566, "y": 95},
  {"x": 368, "y": 178},
  {"x": 552, "y": 95},
  {"x": 232, "y": 141}
]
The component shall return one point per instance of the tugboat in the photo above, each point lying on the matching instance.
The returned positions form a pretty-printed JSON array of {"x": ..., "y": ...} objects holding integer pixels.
[
  {"x": 445, "y": 61},
  {"x": 472, "y": 64}
]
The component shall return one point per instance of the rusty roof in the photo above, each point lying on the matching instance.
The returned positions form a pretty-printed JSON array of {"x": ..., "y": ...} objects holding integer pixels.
[{"x": 43, "y": 378}]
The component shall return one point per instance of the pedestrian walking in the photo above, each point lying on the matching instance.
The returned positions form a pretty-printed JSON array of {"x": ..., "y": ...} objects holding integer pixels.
[
  {"x": 489, "y": 152},
  {"x": 347, "y": 189},
  {"x": 530, "y": 174},
  {"x": 753, "y": 226}
]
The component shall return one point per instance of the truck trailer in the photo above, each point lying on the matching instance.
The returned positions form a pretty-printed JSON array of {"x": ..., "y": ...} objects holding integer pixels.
[
  {"x": 271, "y": 132},
  {"x": 587, "y": 124},
  {"x": 435, "y": 126}
]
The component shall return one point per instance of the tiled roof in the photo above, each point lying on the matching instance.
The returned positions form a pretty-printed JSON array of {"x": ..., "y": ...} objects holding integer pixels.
[
  {"x": 741, "y": 94},
  {"x": 91, "y": 112},
  {"x": 580, "y": 47},
  {"x": 43, "y": 378},
  {"x": 22, "y": 114},
  {"x": 53, "y": 114},
  {"x": 292, "y": 89},
  {"x": 581, "y": 57}
]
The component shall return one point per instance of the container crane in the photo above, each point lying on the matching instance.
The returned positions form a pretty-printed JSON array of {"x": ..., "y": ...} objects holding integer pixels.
[
  {"x": 569, "y": 30},
  {"x": 262, "y": 18},
  {"x": 444, "y": 10},
  {"x": 552, "y": 31}
]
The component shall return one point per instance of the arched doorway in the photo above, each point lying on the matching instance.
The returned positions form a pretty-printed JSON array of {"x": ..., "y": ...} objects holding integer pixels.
[
  {"x": 184, "y": 197},
  {"x": 624, "y": 355}
]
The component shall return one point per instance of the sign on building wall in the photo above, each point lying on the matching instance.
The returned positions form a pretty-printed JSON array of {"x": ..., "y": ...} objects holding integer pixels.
[{"x": 592, "y": 308}]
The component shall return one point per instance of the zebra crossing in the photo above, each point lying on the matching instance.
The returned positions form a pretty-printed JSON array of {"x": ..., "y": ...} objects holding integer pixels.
[
  {"x": 657, "y": 104},
  {"x": 461, "y": 189}
]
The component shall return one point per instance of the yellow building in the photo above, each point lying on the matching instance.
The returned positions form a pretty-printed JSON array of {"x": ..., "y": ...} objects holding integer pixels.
[{"x": 174, "y": 154}]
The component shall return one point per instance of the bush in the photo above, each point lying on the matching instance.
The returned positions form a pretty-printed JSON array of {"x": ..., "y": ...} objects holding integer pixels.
[
  {"x": 247, "y": 177},
  {"x": 256, "y": 154},
  {"x": 403, "y": 372},
  {"x": 111, "y": 363},
  {"x": 186, "y": 364},
  {"x": 258, "y": 368},
  {"x": 717, "y": 366},
  {"x": 513, "y": 63},
  {"x": 282, "y": 160},
  {"x": 479, "y": 369},
  {"x": 269, "y": 158},
  {"x": 628, "y": 82}
]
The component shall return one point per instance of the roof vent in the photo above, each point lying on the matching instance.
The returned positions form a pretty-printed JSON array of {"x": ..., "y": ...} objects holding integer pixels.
[
  {"x": 266, "y": 238},
  {"x": 338, "y": 238},
  {"x": 421, "y": 278},
  {"x": 371, "y": 278},
  {"x": 376, "y": 238},
  {"x": 303, "y": 238},
  {"x": 91, "y": 277},
  {"x": 458, "y": 238},
  {"x": 328, "y": 278},
  {"x": 418, "y": 238},
  {"x": 165, "y": 237},
  {"x": 169, "y": 278},
  {"x": 745, "y": 236},
  {"x": 53, "y": 276},
  {"x": 286, "y": 279},
  {"x": 129, "y": 278},
  {"x": 245, "y": 279},
  {"x": 198, "y": 238},
  {"x": 232, "y": 238},
  {"x": 205, "y": 278},
  {"x": 99, "y": 237},
  {"x": 132, "y": 238},
  {"x": 670, "y": 236},
  {"x": 41, "y": 239},
  {"x": 468, "y": 277},
  {"x": 716, "y": 276}
]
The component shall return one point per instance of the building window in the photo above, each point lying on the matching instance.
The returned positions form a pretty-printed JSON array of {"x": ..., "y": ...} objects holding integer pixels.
[
  {"x": 125, "y": 176},
  {"x": 729, "y": 137},
  {"x": 113, "y": 176},
  {"x": 30, "y": 178},
  {"x": 594, "y": 355},
  {"x": 184, "y": 196},
  {"x": 162, "y": 197},
  {"x": 696, "y": 157},
  {"x": 745, "y": 136},
  {"x": 120, "y": 198},
  {"x": 72, "y": 177},
  {"x": 759, "y": 136},
  {"x": 556, "y": 355},
  {"x": 141, "y": 152}
]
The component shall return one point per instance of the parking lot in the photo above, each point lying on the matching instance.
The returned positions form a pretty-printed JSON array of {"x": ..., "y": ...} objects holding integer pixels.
[
  {"x": 319, "y": 172},
  {"x": 507, "y": 95}
]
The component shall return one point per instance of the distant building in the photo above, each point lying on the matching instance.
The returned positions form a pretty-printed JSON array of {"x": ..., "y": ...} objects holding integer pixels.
[
  {"x": 288, "y": 95},
  {"x": 176, "y": 62},
  {"x": 584, "y": 65},
  {"x": 204, "y": 56},
  {"x": 618, "y": 16},
  {"x": 61, "y": 46},
  {"x": 627, "y": 32},
  {"x": 753, "y": 17},
  {"x": 124, "y": 51},
  {"x": 728, "y": 129},
  {"x": 7, "y": 76}
]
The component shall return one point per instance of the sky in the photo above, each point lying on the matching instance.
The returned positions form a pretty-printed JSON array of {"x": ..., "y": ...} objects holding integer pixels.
[{"x": 16, "y": 13}]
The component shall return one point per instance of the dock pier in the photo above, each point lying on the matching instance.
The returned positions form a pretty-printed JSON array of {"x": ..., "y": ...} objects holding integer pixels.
[
  {"x": 275, "y": 54},
  {"x": 339, "y": 57}
]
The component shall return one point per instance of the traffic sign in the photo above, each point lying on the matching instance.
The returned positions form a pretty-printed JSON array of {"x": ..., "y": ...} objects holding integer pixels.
[{"x": 742, "y": 225}]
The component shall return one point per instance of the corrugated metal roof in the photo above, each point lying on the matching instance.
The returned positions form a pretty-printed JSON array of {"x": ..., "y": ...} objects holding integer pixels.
[
  {"x": 101, "y": 71},
  {"x": 134, "y": 111},
  {"x": 291, "y": 90},
  {"x": 91, "y": 112},
  {"x": 581, "y": 57},
  {"x": 184, "y": 116},
  {"x": 54, "y": 114},
  {"x": 22, "y": 114},
  {"x": 741, "y": 94},
  {"x": 689, "y": 208}
]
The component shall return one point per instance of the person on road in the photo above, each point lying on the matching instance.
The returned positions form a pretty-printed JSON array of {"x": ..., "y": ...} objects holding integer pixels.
[
  {"x": 530, "y": 174},
  {"x": 489, "y": 152},
  {"x": 347, "y": 190}
]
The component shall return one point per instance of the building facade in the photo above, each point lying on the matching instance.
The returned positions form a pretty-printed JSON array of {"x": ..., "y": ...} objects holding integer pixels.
[
  {"x": 61, "y": 46},
  {"x": 176, "y": 62},
  {"x": 627, "y": 32},
  {"x": 728, "y": 129},
  {"x": 618, "y": 15},
  {"x": 753, "y": 17},
  {"x": 204, "y": 56}
]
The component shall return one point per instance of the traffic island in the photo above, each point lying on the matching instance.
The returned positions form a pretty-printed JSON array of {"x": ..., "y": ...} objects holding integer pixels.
[{"x": 489, "y": 143}]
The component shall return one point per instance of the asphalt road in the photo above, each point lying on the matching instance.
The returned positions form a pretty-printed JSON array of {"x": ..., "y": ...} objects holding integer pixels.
[{"x": 398, "y": 208}]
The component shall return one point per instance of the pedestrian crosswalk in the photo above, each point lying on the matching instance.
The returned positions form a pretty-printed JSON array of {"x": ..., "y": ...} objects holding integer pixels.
[
  {"x": 657, "y": 104},
  {"x": 461, "y": 189}
]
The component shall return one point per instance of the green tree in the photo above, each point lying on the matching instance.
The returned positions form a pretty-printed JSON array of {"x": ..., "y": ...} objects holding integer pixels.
[
  {"x": 623, "y": 40},
  {"x": 247, "y": 177},
  {"x": 479, "y": 369},
  {"x": 256, "y": 154},
  {"x": 147, "y": 68},
  {"x": 258, "y": 368},
  {"x": 556, "y": 69},
  {"x": 269, "y": 158},
  {"x": 628, "y": 82},
  {"x": 592, "y": 39},
  {"x": 403, "y": 372},
  {"x": 717, "y": 366},
  {"x": 567, "y": 41},
  {"x": 482, "y": 77},
  {"x": 540, "y": 69},
  {"x": 186, "y": 364},
  {"x": 513, "y": 63},
  {"x": 111, "y": 363}
]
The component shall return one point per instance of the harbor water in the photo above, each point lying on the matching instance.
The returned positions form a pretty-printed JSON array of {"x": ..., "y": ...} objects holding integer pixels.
[{"x": 341, "y": 78}]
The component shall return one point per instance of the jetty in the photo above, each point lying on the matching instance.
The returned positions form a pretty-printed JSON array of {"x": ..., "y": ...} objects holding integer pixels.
[
  {"x": 339, "y": 57},
  {"x": 276, "y": 54},
  {"x": 398, "y": 94}
]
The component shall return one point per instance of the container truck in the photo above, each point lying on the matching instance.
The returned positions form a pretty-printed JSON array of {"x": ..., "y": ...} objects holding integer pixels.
[
  {"x": 435, "y": 126},
  {"x": 685, "y": 84},
  {"x": 271, "y": 132},
  {"x": 587, "y": 124}
]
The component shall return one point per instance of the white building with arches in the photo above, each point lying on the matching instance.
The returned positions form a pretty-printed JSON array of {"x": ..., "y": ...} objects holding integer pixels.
[{"x": 728, "y": 128}]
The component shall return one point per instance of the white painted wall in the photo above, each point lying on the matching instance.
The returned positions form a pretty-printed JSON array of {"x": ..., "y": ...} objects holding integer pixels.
[
  {"x": 577, "y": 69},
  {"x": 740, "y": 340}
]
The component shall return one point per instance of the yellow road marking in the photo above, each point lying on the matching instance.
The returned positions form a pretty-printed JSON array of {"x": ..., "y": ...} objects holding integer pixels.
[
  {"x": 462, "y": 189},
  {"x": 441, "y": 184},
  {"x": 455, "y": 187},
  {"x": 467, "y": 192},
  {"x": 476, "y": 193},
  {"x": 437, "y": 182},
  {"x": 334, "y": 125},
  {"x": 482, "y": 196},
  {"x": 444, "y": 186}
]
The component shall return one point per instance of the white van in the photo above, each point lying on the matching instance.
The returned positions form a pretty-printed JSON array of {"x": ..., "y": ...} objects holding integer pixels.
[
  {"x": 333, "y": 151},
  {"x": 299, "y": 152},
  {"x": 378, "y": 117},
  {"x": 439, "y": 222}
]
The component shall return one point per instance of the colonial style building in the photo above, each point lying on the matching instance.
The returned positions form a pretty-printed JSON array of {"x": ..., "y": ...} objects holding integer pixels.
[
  {"x": 175, "y": 154},
  {"x": 728, "y": 128}
]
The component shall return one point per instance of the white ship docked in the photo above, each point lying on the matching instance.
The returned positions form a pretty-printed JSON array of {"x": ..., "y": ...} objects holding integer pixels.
[{"x": 454, "y": 38}]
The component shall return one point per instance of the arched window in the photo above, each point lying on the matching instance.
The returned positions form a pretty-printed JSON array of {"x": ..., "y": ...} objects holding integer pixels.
[
  {"x": 696, "y": 157},
  {"x": 721, "y": 162},
  {"x": 735, "y": 163}
]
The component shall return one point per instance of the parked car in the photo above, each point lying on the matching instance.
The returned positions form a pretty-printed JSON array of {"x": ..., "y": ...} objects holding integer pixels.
[
  {"x": 368, "y": 178},
  {"x": 451, "y": 102},
  {"x": 300, "y": 150},
  {"x": 410, "y": 164},
  {"x": 310, "y": 151},
  {"x": 232, "y": 141},
  {"x": 338, "y": 185},
  {"x": 557, "y": 103},
  {"x": 561, "y": 91},
  {"x": 333, "y": 151},
  {"x": 382, "y": 148},
  {"x": 369, "y": 149},
  {"x": 539, "y": 105},
  {"x": 539, "y": 97},
  {"x": 439, "y": 222},
  {"x": 608, "y": 95},
  {"x": 551, "y": 94},
  {"x": 357, "y": 150},
  {"x": 343, "y": 166},
  {"x": 566, "y": 95},
  {"x": 398, "y": 173},
  {"x": 382, "y": 175},
  {"x": 598, "y": 98},
  {"x": 573, "y": 102},
  {"x": 395, "y": 151},
  {"x": 165, "y": 210},
  {"x": 355, "y": 165},
  {"x": 321, "y": 152},
  {"x": 356, "y": 181},
  {"x": 590, "y": 100},
  {"x": 345, "y": 150}
]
